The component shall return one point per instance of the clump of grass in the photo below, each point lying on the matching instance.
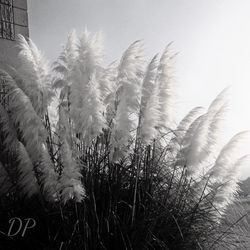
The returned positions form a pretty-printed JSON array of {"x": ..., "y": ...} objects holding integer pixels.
[{"x": 98, "y": 158}]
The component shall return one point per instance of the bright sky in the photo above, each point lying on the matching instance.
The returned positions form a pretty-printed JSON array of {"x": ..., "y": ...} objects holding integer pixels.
[{"x": 212, "y": 38}]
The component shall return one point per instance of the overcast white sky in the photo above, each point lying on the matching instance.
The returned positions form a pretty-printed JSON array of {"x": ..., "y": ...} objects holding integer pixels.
[{"x": 211, "y": 36}]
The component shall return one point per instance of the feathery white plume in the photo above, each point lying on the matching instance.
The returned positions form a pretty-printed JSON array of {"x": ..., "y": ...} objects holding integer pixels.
[
  {"x": 26, "y": 180},
  {"x": 90, "y": 52},
  {"x": 127, "y": 98},
  {"x": 181, "y": 158},
  {"x": 34, "y": 74},
  {"x": 63, "y": 126},
  {"x": 70, "y": 180},
  {"x": 214, "y": 137},
  {"x": 26, "y": 120},
  {"x": 148, "y": 82},
  {"x": 182, "y": 134},
  {"x": 70, "y": 185},
  {"x": 64, "y": 67},
  {"x": 86, "y": 107},
  {"x": 205, "y": 138},
  {"x": 229, "y": 154},
  {"x": 49, "y": 177},
  {"x": 149, "y": 108},
  {"x": 130, "y": 73},
  {"x": 228, "y": 187},
  {"x": 122, "y": 131},
  {"x": 166, "y": 92},
  {"x": 32, "y": 131},
  {"x": 53, "y": 112},
  {"x": 107, "y": 83},
  {"x": 150, "y": 118},
  {"x": 185, "y": 123},
  {"x": 91, "y": 119},
  {"x": 65, "y": 63}
]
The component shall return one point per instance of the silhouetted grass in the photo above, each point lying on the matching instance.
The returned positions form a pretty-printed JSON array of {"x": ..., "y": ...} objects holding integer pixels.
[{"x": 142, "y": 202}]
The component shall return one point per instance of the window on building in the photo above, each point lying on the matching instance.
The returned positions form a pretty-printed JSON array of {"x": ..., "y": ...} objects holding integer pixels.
[
  {"x": 4, "y": 98},
  {"x": 7, "y": 20}
]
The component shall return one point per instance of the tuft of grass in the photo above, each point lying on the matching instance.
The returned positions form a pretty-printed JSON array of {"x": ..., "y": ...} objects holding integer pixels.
[{"x": 92, "y": 154}]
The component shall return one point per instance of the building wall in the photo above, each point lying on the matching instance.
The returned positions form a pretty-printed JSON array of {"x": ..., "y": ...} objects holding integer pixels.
[{"x": 19, "y": 22}]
